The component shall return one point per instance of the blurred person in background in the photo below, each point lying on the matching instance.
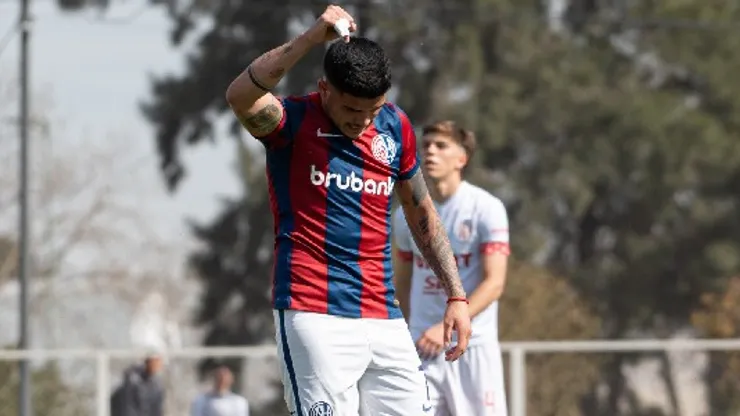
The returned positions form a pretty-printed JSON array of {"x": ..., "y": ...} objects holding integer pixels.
[
  {"x": 141, "y": 392},
  {"x": 220, "y": 400},
  {"x": 477, "y": 224}
]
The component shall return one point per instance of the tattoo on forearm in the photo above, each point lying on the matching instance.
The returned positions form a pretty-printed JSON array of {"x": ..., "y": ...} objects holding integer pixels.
[
  {"x": 269, "y": 60},
  {"x": 431, "y": 238},
  {"x": 264, "y": 121},
  {"x": 429, "y": 233}
]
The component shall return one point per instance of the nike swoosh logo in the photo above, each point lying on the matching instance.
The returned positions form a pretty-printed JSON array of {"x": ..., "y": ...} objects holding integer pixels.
[
  {"x": 426, "y": 408},
  {"x": 319, "y": 133}
]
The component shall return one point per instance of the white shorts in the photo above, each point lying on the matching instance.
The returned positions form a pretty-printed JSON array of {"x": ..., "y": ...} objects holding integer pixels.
[
  {"x": 335, "y": 366},
  {"x": 471, "y": 386}
]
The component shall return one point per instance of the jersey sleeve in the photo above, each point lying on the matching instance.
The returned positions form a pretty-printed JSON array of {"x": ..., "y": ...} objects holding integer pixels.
[
  {"x": 409, "y": 154},
  {"x": 493, "y": 228},
  {"x": 293, "y": 109},
  {"x": 402, "y": 235}
]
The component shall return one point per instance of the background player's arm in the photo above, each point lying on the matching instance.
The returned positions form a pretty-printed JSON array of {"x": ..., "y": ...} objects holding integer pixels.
[
  {"x": 494, "y": 250},
  {"x": 429, "y": 233},
  {"x": 248, "y": 95},
  {"x": 493, "y": 280}
]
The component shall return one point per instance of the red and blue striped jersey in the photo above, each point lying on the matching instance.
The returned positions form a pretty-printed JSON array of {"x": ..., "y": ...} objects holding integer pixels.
[{"x": 331, "y": 202}]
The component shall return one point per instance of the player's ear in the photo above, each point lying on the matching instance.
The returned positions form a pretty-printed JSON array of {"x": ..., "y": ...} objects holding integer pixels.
[
  {"x": 323, "y": 88},
  {"x": 462, "y": 160}
]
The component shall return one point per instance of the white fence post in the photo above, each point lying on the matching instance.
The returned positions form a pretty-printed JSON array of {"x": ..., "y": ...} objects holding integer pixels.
[
  {"x": 518, "y": 384},
  {"x": 102, "y": 370}
]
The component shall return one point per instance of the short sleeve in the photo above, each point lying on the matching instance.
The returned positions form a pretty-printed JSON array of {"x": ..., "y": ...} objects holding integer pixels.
[
  {"x": 293, "y": 110},
  {"x": 493, "y": 228},
  {"x": 402, "y": 235},
  {"x": 409, "y": 154}
]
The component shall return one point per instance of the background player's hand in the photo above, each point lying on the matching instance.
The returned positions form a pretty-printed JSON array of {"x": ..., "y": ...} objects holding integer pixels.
[
  {"x": 457, "y": 318},
  {"x": 432, "y": 342},
  {"x": 323, "y": 30}
]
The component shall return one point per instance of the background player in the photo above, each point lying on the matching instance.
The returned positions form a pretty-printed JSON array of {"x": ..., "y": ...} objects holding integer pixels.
[
  {"x": 477, "y": 224},
  {"x": 333, "y": 159}
]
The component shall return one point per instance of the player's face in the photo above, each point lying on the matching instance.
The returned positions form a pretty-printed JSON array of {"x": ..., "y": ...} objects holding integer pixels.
[
  {"x": 442, "y": 156},
  {"x": 352, "y": 115}
]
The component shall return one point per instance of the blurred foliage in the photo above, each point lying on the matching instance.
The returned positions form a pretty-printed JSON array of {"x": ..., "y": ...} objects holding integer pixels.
[
  {"x": 51, "y": 395},
  {"x": 610, "y": 132},
  {"x": 8, "y": 258},
  {"x": 719, "y": 317}
]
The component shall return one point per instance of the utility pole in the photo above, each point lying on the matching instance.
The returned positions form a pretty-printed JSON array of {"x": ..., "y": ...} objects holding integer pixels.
[{"x": 24, "y": 389}]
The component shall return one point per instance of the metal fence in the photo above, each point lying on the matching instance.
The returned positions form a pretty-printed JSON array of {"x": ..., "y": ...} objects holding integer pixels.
[{"x": 105, "y": 362}]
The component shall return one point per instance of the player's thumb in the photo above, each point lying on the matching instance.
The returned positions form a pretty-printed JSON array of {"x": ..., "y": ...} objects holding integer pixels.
[{"x": 448, "y": 333}]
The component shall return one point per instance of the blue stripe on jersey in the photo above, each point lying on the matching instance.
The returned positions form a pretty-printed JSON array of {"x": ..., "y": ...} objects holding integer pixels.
[
  {"x": 279, "y": 166},
  {"x": 343, "y": 229},
  {"x": 289, "y": 362}
]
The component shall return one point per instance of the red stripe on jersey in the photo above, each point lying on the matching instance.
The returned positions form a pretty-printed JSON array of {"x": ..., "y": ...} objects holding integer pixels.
[
  {"x": 495, "y": 247},
  {"x": 373, "y": 234},
  {"x": 309, "y": 278},
  {"x": 408, "y": 144},
  {"x": 406, "y": 255}
]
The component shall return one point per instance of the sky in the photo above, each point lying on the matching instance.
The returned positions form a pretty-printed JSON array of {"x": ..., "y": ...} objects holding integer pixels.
[{"x": 92, "y": 72}]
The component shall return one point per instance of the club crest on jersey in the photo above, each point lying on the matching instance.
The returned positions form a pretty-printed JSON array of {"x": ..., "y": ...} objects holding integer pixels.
[
  {"x": 384, "y": 148},
  {"x": 321, "y": 409},
  {"x": 464, "y": 230}
]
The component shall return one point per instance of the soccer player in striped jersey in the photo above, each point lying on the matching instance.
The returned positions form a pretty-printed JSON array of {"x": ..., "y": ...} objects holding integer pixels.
[
  {"x": 477, "y": 224},
  {"x": 334, "y": 159}
]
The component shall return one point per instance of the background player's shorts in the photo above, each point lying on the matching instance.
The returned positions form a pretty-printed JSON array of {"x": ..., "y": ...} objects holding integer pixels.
[
  {"x": 471, "y": 386},
  {"x": 348, "y": 367}
]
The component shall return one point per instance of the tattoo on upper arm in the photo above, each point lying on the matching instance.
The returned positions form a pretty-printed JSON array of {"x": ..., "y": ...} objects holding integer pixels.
[{"x": 264, "y": 121}]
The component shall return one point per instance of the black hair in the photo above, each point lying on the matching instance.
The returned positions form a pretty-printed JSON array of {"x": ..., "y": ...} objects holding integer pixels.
[{"x": 359, "y": 68}]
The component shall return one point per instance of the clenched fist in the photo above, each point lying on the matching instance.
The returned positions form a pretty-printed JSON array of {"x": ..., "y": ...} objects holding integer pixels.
[{"x": 323, "y": 30}]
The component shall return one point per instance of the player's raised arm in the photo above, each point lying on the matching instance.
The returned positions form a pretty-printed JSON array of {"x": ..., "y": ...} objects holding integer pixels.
[{"x": 249, "y": 94}]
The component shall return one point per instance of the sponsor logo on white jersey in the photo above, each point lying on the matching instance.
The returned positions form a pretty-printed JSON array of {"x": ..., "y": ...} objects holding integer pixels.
[{"x": 352, "y": 183}]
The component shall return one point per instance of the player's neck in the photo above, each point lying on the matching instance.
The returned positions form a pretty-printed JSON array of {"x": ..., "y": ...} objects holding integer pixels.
[{"x": 442, "y": 190}]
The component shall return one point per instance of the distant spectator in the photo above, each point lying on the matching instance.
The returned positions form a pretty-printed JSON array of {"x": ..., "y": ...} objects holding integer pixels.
[
  {"x": 220, "y": 400},
  {"x": 141, "y": 392}
]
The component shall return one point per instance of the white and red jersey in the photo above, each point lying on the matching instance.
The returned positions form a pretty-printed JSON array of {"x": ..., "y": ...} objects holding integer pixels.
[{"x": 477, "y": 225}]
